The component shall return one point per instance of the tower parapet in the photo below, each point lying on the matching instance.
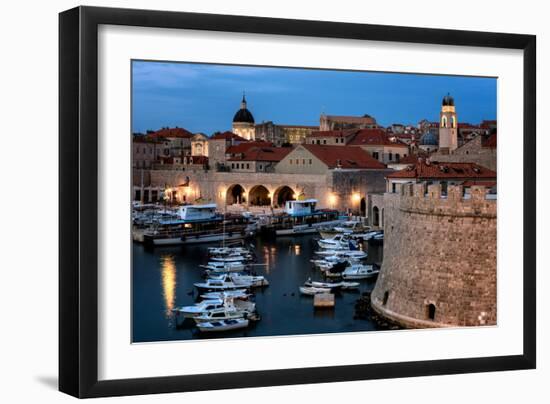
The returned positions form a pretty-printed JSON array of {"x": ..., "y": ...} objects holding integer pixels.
[{"x": 439, "y": 265}]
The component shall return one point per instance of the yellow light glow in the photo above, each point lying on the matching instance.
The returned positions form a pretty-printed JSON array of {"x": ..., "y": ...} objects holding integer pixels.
[
  {"x": 332, "y": 198},
  {"x": 168, "y": 277},
  {"x": 356, "y": 197}
]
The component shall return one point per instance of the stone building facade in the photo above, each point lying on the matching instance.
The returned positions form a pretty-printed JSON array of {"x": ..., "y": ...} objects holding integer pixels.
[
  {"x": 345, "y": 190},
  {"x": 481, "y": 150},
  {"x": 439, "y": 267}
]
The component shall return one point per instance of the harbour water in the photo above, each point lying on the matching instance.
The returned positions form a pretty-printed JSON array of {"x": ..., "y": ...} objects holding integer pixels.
[{"x": 163, "y": 278}]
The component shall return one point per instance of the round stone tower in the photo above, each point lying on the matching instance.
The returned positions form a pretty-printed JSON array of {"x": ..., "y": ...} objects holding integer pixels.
[{"x": 439, "y": 265}]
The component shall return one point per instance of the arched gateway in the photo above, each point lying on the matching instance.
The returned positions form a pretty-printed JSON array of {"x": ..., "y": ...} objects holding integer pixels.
[
  {"x": 282, "y": 194},
  {"x": 235, "y": 195},
  {"x": 259, "y": 196}
]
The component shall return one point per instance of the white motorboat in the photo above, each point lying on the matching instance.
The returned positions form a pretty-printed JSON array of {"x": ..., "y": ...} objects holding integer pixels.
[
  {"x": 253, "y": 280},
  {"x": 311, "y": 290},
  {"x": 232, "y": 258},
  {"x": 221, "y": 285},
  {"x": 368, "y": 235},
  {"x": 221, "y": 267},
  {"x": 224, "y": 325},
  {"x": 302, "y": 217},
  {"x": 237, "y": 293},
  {"x": 359, "y": 271},
  {"x": 199, "y": 308},
  {"x": 350, "y": 228},
  {"x": 232, "y": 309},
  {"x": 220, "y": 251},
  {"x": 357, "y": 255},
  {"x": 334, "y": 285},
  {"x": 338, "y": 242}
]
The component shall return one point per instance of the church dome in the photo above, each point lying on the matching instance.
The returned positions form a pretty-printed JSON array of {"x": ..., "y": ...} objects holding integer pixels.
[
  {"x": 243, "y": 115},
  {"x": 428, "y": 139},
  {"x": 448, "y": 100}
]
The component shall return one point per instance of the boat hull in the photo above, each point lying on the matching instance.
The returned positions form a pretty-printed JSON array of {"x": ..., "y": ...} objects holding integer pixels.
[{"x": 207, "y": 238}]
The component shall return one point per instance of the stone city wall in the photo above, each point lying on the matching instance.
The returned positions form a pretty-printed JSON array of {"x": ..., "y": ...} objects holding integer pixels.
[{"x": 439, "y": 265}]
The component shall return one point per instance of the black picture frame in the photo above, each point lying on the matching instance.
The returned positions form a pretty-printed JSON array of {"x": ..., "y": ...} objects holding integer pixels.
[{"x": 78, "y": 196}]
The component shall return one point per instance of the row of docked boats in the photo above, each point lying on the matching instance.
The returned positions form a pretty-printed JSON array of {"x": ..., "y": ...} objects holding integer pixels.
[
  {"x": 203, "y": 223},
  {"x": 225, "y": 294}
]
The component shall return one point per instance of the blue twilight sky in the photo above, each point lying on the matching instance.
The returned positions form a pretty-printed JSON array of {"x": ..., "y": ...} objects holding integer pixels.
[{"x": 204, "y": 98}]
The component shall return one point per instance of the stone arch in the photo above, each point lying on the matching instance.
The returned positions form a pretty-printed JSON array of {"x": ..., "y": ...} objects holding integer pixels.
[
  {"x": 363, "y": 207},
  {"x": 235, "y": 194},
  {"x": 282, "y": 194},
  {"x": 375, "y": 216},
  {"x": 430, "y": 311},
  {"x": 259, "y": 196}
]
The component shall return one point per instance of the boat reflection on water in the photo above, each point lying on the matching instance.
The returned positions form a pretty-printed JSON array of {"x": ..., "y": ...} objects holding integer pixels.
[{"x": 168, "y": 277}]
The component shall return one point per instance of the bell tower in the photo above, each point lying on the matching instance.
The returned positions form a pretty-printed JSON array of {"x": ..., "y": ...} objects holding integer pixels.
[{"x": 448, "y": 126}]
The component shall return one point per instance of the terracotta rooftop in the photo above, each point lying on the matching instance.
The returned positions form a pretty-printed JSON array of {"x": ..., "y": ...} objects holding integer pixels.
[
  {"x": 444, "y": 170},
  {"x": 227, "y": 136},
  {"x": 373, "y": 137},
  {"x": 263, "y": 154},
  {"x": 245, "y": 146},
  {"x": 171, "y": 132},
  {"x": 488, "y": 184},
  {"x": 343, "y": 156},
  {"x": 491, "y": 141}
]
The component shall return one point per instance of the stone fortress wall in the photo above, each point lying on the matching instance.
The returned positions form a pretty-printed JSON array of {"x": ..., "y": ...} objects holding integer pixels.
[{"x": 439, "y": 266}]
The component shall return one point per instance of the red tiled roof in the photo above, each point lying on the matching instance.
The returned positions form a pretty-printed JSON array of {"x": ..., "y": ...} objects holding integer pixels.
[
  {"x": 351, "y": 119},
  {"x": 488, "y": 184},
  {"x": 245, "y": 146},
  {"x": 373, "y": 137},
  {"x": 343, "y": 156},
  {"x": 171, "y": 132},
  {"x": 444, "y": 170},
  {"x": 491, "y": 142},
  {"x": 263, "y": 154},
  {"x": 227, "y": 136}
]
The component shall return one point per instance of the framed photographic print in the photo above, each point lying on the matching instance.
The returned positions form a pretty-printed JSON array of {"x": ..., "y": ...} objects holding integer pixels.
[{"x": 251, "y": 201}]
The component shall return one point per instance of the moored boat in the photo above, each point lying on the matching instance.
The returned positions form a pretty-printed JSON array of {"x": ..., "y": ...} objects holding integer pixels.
[
  {"x": 223, "y": 325},
  {"x": 199, "y": 224},
  {"x": 311, "y": 290},
  {"x": 360, "y": 271},
  {"x": 302, "y": 217},
  {"x": 199, "y": 308}
]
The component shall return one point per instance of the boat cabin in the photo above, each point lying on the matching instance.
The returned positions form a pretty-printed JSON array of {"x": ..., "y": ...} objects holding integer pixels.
[
  {"x": 197, "y": 212},
  {"x": 300, "y": 208}
]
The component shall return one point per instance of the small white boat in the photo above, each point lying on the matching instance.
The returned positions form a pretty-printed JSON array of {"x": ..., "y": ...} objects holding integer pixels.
[
  {"x": 237, "y": 278},
  {"x": 224, "y": 325},
  {"x": 342, "y": 254},
  {"x": 232, "y": 309},
  {"x": 219, "y": 251},
  {"x": 334, "y": 285},
  {"x": 368, "y": 235},
  {"x": 359, "y": 271},
  {"x": 350, "y": 228},
  {"x": 237, "y": 293},
  {"x": 338, "y": 242},
  {"x": 220, "y": 267},
  {"x": 199, "y": 308},
  {"x": 310, "y": 290},
  {"x": 220, "y": 285},
  {"x": 323, "y": 285},
  {"x": 231, "y": 258}
]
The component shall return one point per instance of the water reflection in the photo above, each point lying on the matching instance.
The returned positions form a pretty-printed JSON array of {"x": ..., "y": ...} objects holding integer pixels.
[{"x": 168, "y": 278}]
